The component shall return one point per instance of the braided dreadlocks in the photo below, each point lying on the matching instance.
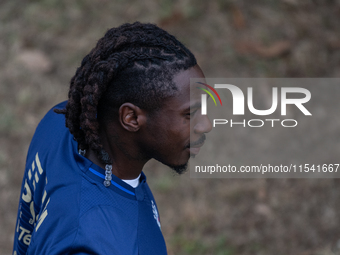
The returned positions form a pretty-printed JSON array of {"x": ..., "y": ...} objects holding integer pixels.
[{"x": 132, "y": 63}]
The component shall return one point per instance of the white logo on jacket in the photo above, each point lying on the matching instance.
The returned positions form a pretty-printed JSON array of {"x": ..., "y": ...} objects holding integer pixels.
[{"x": 155, "y": 214}]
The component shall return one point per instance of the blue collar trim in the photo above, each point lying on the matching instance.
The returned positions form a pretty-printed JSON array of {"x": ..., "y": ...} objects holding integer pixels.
[{"x": 112, "y": 182}]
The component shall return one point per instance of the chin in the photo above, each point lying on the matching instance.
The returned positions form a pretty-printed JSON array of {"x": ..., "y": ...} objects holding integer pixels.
[
  {"x": 179, "y": 169},
  {"x": 179, "y": 166}
]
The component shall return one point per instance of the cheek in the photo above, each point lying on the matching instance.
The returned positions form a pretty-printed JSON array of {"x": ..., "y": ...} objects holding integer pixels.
[
  {"x": 181, "y": 135},
  {"x": 175, "y": 134}
]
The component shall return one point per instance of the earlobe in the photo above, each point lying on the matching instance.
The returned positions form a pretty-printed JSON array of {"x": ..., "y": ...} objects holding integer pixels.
[{"x": 131, "y": 117}]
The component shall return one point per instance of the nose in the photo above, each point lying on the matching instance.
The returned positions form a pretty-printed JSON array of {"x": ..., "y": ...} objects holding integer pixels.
[{"x": 203, "y": 125}]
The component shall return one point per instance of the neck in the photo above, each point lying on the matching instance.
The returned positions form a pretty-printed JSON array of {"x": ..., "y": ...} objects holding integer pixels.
[{"x": 122, "y": 166}]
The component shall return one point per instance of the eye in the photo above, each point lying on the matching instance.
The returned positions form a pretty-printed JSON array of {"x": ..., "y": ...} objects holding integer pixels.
[{"x": 192, "y": 113}]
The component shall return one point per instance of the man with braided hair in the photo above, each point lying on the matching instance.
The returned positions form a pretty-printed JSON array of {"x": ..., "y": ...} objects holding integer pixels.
[{"x": 84, "y": 191}]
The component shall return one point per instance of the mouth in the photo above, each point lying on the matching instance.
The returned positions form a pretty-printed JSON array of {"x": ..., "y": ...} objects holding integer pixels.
[
  {"x": 195, "y": 147},
  {"x": 194, "y": 150}
]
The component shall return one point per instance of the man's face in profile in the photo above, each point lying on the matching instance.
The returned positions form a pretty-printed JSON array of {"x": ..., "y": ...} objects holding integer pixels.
[{"x": 169, "y": 131}]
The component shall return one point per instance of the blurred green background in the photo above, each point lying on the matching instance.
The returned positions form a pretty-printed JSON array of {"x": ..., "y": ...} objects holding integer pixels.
[{"x": 43, "y": 42}]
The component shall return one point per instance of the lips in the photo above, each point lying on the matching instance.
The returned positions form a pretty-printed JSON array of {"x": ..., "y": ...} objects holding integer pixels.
[
  {"x": 194, "y": 150},
  {"x": 195, "y": 147}
]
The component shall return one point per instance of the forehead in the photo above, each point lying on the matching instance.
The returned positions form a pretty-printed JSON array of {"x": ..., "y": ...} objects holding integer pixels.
[{"x": 182, "y": 81}]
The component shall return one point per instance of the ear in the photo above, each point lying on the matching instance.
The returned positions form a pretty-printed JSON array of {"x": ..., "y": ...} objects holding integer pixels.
[{"x": 131, "y": 117}]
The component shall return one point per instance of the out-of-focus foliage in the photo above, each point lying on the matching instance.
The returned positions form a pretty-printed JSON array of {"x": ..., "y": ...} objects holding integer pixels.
[{"x": 43, "y": 42}]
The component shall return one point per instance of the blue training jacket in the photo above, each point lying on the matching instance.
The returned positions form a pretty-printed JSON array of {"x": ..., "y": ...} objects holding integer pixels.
[{"x": 64, "y": 207}]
